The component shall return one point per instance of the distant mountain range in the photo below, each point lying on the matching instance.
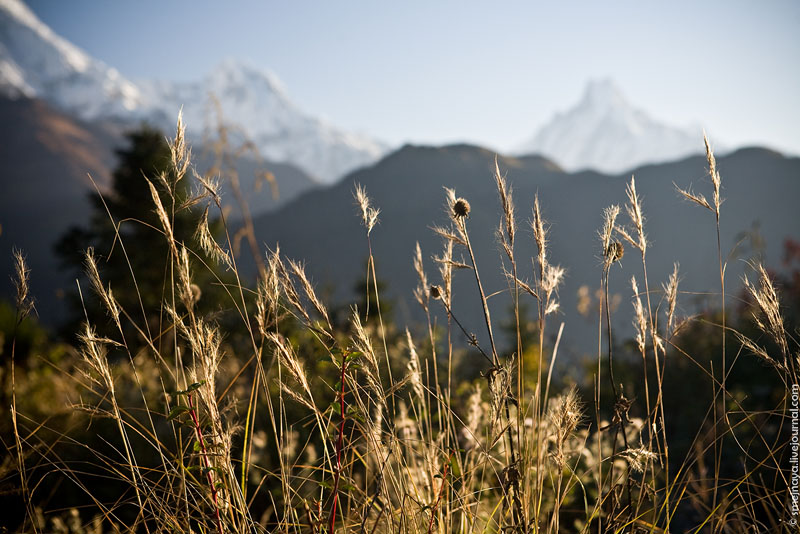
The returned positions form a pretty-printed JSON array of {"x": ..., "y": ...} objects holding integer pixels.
[
  {"x": 35, "y": 62},
  {"x": 63, "y": 113},
  {"x": 605, "y": 133},
  {"x": 602, "y": 132},
  {"x": 760, "y": 187},
  {"x": 46, "y": 154}
]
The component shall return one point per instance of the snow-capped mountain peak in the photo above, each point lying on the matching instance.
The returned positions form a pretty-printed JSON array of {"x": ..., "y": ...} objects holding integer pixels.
[
  {"x": 603, "y": 94},
  {"x": 37, "y": 63},
  {"x": 603, "y": 131},
  {"x": 233, "y": 72},
  {"x": 257, "y": 101}
]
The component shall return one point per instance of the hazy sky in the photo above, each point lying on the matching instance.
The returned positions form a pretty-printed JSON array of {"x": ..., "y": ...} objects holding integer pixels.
[{"x": 450, "y": 71}]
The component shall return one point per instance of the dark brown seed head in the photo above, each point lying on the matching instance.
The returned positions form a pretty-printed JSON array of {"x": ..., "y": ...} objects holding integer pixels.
[
  {"x": 615, "y": 251},
  {"x": 460, "y": 208},
  {"x": 435, "y": 292}
]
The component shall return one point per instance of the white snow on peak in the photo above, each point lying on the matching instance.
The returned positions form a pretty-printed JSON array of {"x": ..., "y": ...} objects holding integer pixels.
[
  {"x": 12, "y": 79},
  {"x": 257, "y": 101},
  {"x": 37, "y": 63},
  {"x": 603, "y": 94},
  {"x": 604, "y": 132}
]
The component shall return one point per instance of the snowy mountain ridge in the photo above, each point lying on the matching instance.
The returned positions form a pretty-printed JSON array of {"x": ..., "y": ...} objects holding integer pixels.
[
  {"x": 604, "y": 132},
  {"x": 256, "y": 101},
  {"x": 37, "y": 63}
]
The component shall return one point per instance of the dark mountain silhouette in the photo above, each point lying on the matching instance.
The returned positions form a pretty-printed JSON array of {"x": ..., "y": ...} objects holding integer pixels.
[
  {"x": 322, "y": 227},
  {"x": 45, "y": 159},
  {"x": 45, "y": 156}
]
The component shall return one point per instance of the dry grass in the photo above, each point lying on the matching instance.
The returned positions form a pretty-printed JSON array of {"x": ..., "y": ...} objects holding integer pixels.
[{"x": 377, "y": 439}]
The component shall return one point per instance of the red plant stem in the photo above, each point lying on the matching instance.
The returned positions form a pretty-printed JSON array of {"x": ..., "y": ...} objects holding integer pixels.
[
  {"x": 206, "y": 463},
  {"x": 441, "y": 492},
  {"x": 338, "y": 447}
]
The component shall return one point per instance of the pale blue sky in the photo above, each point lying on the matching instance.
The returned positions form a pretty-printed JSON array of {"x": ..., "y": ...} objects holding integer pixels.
[{"x": 450, "y": 71}]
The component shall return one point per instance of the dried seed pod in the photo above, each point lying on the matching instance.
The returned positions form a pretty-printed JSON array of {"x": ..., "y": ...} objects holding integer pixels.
[
  {"x": 460, "y": 208},
  {"x": 435, "y": 292},
  {"x": 615, "y": 251}
]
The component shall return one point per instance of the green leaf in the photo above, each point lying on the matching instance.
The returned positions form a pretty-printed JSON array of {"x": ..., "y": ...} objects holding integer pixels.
[
  {"x": 193, "y": 387},
  {"x": 207, "y": 470},
  {"x": 196, "y": 446},
  {"x": 176, "y": 411},
  {"x": 454, "y": 468},
  {"x": 354, "y": 413},
  {"x": 333, "y": 407}
]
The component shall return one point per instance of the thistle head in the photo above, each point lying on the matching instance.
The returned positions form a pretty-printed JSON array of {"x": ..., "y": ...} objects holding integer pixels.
[
  {"x": 460, "y": 208},
  {"x": 435, "y": 292}
]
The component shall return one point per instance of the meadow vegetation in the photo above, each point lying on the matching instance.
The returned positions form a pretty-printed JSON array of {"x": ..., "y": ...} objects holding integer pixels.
[{"x": 193, "y": 400}]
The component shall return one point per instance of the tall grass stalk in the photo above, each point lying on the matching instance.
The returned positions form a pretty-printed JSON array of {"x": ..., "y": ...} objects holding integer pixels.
[{"x": 293, "y": 422}]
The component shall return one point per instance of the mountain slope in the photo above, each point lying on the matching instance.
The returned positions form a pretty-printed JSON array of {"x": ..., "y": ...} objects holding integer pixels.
[
  {"x": 37, "y": 63},
  {"x": 407, "y": 187},
  {"x": 45, "y": 157},
  {"x": 605, "y": 133}
]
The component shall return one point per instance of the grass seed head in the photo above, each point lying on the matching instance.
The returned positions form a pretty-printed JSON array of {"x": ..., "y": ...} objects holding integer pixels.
[
  {"x": 369, "y": 215},
  {"x": 671, "y": 292},
  {"x": 23, "y": 300},
  {"x": 634, "y": 210},
  {"x": 420, "y": 292},
  {"x": 639, "y": 321},
  {"x": 639, "y": 458},
  {"x": 539, "y": 232},
  {"x": 716, "y": 180},
  {"x": 208, "y": 244},
  {"x": 414, "y": 369},
  {"x": 445, "y": 262},
  {"x": 564, "y": 415},
  {"x": 180, "y": 154},
  {"x": 300, "y": 274},
  {"x": 506, "y": 201},
  {"x": 768, "y": 314},
  {"x": 90, "y": 263}
]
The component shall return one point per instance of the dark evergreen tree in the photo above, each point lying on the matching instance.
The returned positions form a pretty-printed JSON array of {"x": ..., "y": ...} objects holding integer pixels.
[{"x": 132, "y": 253}]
